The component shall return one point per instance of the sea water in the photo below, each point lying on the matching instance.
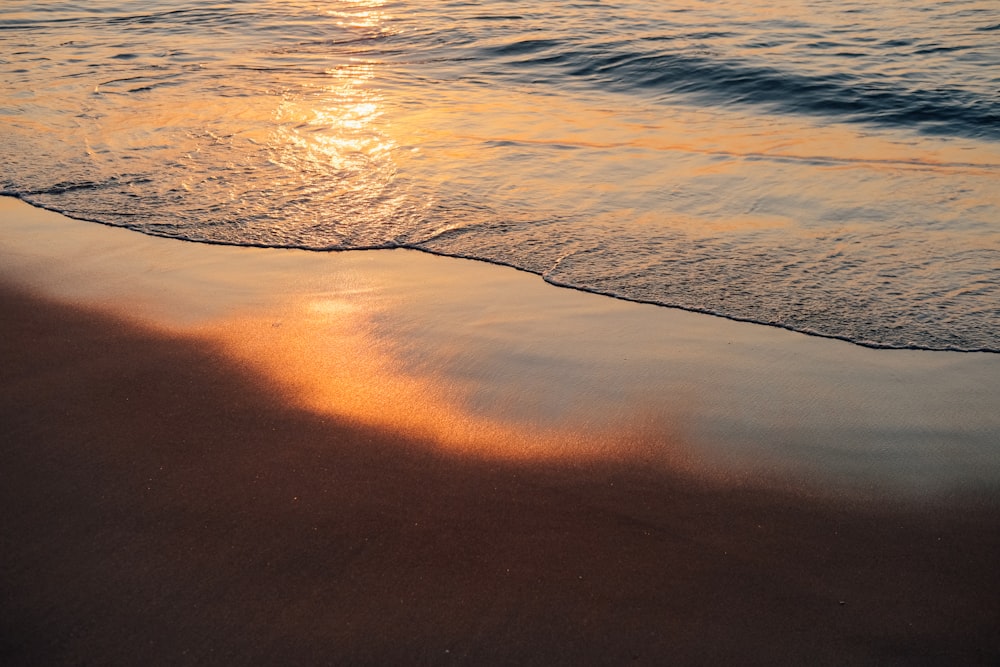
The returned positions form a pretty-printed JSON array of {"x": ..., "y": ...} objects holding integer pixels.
[{"x": 826, "y": 166}]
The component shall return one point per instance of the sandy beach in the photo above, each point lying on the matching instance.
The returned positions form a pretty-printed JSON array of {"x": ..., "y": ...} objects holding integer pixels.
[{"x": 221, "y": 455}]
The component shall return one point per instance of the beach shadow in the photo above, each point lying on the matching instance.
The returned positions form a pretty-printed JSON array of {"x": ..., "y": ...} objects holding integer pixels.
[{"x": 163, "y": 504}]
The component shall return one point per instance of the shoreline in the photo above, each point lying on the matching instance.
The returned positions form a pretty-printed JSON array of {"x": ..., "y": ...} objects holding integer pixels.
[
  {"x": 502, "y": 265},
  {"x": 471, "y": 354},
  {"x": 221, "y": 456}
]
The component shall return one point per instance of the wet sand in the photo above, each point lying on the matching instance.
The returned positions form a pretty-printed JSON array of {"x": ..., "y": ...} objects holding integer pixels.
[{"x": 170, "y": 496}]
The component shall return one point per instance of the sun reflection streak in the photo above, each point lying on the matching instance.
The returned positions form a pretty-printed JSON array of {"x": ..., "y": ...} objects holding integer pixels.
[
  {"x": 358, "y": 13},
  {"x": 330, "y": 132},
  {"x": 335, "y": 127}
]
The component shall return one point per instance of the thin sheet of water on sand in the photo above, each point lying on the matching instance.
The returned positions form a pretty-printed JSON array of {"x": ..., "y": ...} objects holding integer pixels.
[{"x": 496, "y": 363}]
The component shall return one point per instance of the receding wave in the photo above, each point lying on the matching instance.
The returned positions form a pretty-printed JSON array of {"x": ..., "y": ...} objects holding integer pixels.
[{"x": 828, "y": 168}]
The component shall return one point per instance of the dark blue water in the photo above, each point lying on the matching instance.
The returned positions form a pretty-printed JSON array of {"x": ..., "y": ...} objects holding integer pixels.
[{"x": 827, "y": 167}]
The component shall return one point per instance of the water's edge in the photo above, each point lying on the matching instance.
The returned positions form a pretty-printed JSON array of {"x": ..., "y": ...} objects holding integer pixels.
[{"x": 546, "y": 279}]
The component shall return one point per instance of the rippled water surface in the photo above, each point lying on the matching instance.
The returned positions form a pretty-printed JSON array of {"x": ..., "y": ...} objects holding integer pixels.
[{"x": 830, "y": 167}]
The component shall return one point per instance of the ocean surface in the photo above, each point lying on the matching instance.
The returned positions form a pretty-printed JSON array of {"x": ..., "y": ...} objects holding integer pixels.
[{"x": 832, "y": 167}]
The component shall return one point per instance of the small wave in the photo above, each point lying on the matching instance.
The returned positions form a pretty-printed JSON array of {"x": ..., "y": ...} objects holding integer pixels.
[
  {"x": 841, "y": 95},
  {"x": 522, "y": 47},
  {"x": 497, "y": 17},
  {"x": 147, "y": 83},
  {"x": 64, "y": 187}
]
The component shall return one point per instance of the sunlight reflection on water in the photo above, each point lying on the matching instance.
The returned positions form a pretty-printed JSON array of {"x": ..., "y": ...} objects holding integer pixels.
[{"x": 775, "y": 162}]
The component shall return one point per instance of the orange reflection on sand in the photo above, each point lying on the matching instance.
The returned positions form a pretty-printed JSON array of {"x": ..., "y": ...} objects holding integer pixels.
[{"x": 323, "y": 355}]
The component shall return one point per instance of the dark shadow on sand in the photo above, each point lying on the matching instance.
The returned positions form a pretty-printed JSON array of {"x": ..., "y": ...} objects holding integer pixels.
[{"x": 161, "y": 505}]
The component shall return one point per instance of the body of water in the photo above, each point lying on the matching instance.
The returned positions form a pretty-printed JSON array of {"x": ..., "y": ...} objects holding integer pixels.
[{"x": 825, "y": 166}]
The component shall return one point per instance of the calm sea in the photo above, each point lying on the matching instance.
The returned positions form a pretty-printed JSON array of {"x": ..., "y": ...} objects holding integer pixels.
[{"x": 827, "y": 166}]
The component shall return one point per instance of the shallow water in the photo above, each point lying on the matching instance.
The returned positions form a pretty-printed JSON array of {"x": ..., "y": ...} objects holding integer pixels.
[
  {"x": 496, "y": 364},
  {"x": 826, "y": 167}
]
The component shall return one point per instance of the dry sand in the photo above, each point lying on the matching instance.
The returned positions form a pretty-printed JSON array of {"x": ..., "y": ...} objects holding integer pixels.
[{"x": 234, "y": 456}]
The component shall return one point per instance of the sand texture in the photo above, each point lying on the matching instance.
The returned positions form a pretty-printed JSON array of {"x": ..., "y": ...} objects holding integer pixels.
[{"x": 209, "y": 456}]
